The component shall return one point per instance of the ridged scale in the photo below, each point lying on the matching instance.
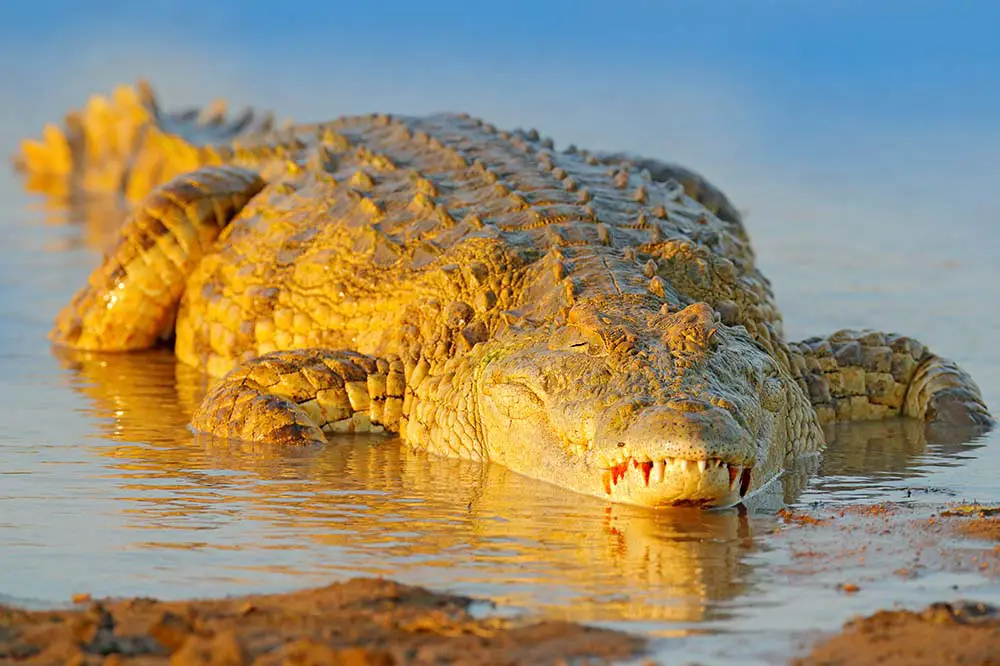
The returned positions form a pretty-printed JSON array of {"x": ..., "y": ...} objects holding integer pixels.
[{"x": 417, "y": 200}]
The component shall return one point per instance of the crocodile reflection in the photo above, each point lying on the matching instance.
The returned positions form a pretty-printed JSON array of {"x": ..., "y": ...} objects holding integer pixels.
[
  {"x": 97, "y": 220},
  {"x": 372, "y": 507}
]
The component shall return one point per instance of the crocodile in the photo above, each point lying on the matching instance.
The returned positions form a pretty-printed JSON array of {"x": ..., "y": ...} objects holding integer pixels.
[{"x": 593, "y": 320}]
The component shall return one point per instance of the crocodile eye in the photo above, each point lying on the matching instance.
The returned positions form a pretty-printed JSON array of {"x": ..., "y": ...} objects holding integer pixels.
[
  {"x": 567, "y": 337},
  {"x": 572, "y": 338}
]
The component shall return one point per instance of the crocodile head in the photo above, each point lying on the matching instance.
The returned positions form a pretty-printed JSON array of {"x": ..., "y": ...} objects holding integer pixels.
[{"x": 651, "y": 409}]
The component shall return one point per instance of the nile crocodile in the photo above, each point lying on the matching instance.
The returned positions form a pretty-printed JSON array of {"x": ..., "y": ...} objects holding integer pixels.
[{"x": 596, "y": 321}]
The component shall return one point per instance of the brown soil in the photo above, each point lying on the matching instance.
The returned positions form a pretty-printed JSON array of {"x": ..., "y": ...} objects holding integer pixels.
[
  {"x": 981, "y": 522},
  {"x": 358, "y": 622},
  {"x": 941, "y": 634}
]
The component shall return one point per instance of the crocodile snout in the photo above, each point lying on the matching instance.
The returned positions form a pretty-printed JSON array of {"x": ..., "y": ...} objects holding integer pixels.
[
  {"x": 686, "y": 451},
  {"x": 688, "y": 430}
]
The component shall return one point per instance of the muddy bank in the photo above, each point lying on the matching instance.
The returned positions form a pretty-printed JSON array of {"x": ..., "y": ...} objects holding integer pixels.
[
  {"x": 358, "y": 622},
  {"x": 944, "y": 633},
  {"x": 941, "y": 634},
  {"x": 980, "y": 522}
]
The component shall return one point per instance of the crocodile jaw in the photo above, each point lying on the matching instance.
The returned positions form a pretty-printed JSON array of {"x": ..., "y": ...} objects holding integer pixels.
[
  {"x": 686, "y": 465},
  {"x": 692, "y": 422},
  {"x": 684, "y": 452},
  {"x": 659, "y": 481},
  {"x": 672, "y": 481}
]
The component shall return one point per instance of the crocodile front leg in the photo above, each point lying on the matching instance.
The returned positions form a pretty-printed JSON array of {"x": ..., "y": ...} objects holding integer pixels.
[
  {"x": 130, "y": 301},
  {"x": 299, "y": 396},
  {"x": 864, "y": 375},
  {"x": 293, "y": 397}
]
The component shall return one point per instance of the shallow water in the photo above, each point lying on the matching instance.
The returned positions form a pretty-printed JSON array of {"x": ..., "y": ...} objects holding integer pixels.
[{"x": 103, "y": 489}]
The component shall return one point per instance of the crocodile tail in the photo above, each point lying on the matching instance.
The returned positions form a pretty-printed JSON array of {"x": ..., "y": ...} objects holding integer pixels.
[
  {"x": 942, "y": 392},
  {"x": 867, "y": 375},
  {"x": 130, "y": 301},
  {"x": 126, "y": 144}
]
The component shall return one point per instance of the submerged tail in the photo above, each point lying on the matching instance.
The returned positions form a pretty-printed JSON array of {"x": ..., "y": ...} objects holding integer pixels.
[{"x": 127, "y": 144}]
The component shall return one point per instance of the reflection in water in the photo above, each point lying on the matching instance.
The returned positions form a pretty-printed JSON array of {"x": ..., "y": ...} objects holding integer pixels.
[
  {"x": 863, "y": 460},
  {"x": 142, "y": 397},
  {"x": 369, "y": 506},
  {"x": 98, "y": 218},
  {"x": 891, "y": 448}
]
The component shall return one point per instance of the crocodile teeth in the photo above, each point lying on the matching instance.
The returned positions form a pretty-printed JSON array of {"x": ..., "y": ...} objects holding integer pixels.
[
  {"x": 656, "y": 471},
  {"x": 659, "y": 471},
  {"x": 618, "y": 472},
  {"x": 734, "y": 471},
  {"x": 745, "y": 482},
  {"x": 646, "y": 467}
]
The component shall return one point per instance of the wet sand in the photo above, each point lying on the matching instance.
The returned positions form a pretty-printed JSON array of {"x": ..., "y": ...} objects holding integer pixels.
[
  {"x": 939, "y": 635},
  {"x": 358, "y": 622},
  {"x": 961, "y": 538}
]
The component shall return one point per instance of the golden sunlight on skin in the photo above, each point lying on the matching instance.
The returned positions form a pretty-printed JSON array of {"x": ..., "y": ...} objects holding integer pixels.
[{"x": 594, "y": 321}]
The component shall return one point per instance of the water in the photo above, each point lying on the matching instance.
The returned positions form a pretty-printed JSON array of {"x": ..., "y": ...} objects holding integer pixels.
[{"x": 103, "y": 489}]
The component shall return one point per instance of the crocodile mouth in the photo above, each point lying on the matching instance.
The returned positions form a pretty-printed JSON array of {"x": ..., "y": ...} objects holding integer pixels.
[{"x": 713, "y": 480}]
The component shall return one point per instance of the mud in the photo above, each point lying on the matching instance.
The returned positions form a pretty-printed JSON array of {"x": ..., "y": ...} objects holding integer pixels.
[
  {"x": 980, "y": 522},
  {"x": 863, "y": 544},
  {"x": 941, "y": 634},
  {"x": 359, "y": 622}
]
